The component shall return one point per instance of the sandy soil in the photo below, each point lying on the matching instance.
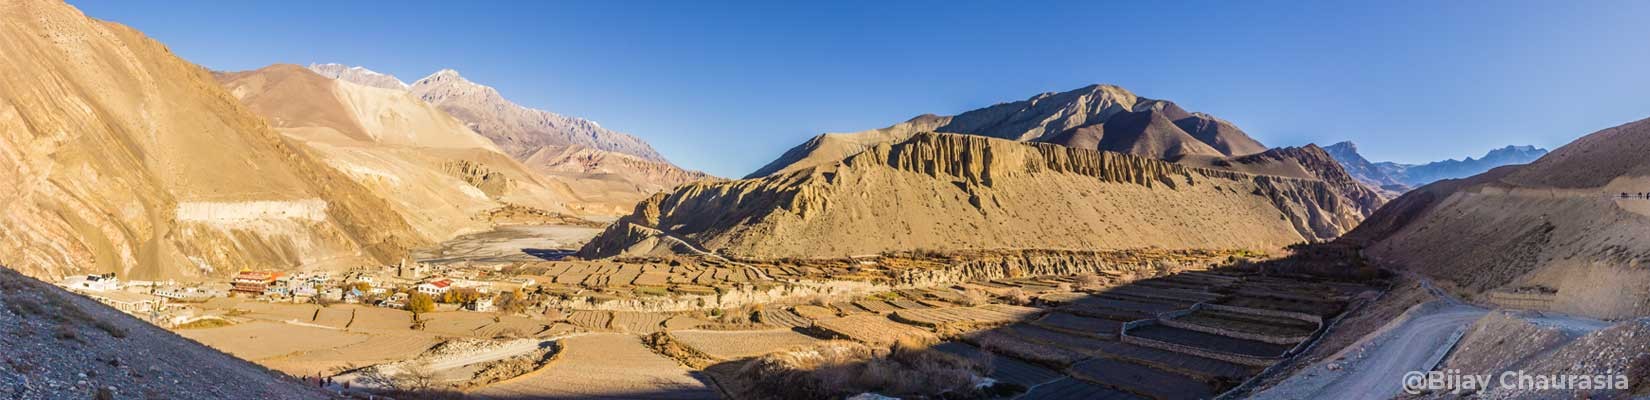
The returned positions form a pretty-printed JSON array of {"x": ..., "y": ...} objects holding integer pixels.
[
  {"x": 510, "y": 244},
  {"x": 258, "y": 340},
  {"x": 732, "y": 345},
  {"x": 604, "y": 366}
]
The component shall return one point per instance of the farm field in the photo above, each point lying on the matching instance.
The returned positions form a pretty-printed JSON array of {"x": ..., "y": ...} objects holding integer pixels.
[{"x": 604, "y": 366}]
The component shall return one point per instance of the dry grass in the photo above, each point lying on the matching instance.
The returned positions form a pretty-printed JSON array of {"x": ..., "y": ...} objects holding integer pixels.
[{"x": 837, "y": 369}]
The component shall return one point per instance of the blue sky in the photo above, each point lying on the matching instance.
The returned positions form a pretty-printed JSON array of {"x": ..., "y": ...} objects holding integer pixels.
[{"x": 727, "y": 86}]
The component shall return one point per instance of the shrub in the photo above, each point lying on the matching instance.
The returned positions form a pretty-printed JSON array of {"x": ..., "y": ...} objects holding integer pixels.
[
  {"x": 974, "y": 297},
  {"x": 1016, "y": 296},
  {"x": 1089, "y": 282}
]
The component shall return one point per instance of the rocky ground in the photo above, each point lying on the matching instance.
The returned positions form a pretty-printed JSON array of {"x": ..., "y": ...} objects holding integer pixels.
[{"x": 58, "y": 346}]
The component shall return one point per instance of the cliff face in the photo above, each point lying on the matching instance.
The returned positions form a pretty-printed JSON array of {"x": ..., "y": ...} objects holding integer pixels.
[
  {"x": 106, "y": 137},
  {"x": 958, "y": 192}
]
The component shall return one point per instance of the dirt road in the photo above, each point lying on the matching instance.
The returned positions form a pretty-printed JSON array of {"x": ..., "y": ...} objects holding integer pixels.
[{"x": 1373, "y": 368}]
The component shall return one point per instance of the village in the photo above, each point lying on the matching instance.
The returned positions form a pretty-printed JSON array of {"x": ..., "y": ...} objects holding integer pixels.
[{"x": 409, "y": 286}]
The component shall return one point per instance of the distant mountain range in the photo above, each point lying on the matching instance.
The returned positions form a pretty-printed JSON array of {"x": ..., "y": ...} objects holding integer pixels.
[
  {"x": 1402, "y": 177},
  {"x": 606, "y": 171}
]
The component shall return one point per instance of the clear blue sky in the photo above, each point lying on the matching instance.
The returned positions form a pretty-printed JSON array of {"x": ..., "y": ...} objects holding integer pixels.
[{"x": 727, "y": 86}]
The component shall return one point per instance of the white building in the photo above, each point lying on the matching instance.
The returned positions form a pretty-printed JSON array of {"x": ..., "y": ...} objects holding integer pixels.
[
  {"x": 482, "y": 305},
  {"x": 436, "y": 287},
  {"x": 93, "y": 283}
]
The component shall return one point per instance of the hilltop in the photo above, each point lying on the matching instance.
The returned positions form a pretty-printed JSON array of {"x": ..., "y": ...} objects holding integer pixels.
[{"x": 1098, "y": 117}]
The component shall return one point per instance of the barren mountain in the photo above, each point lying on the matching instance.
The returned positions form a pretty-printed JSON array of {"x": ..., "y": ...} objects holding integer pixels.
[
  {"x": 611, "y": 170},
  {"x": 1082, "y": 118},
  {"x": 953, "y": 192},
  {"x": 1565, "y": 232},
  {"x": 121, "y": 157},
  {"x": 359, "y": 75},
  {"x": 520, "y": 130},
  {"x": 439, "y": 175}
]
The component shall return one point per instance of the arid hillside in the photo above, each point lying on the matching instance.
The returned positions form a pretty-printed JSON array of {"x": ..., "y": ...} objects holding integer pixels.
[
  {"x": 1099, "y": 117},
  {"x": 121, "y": 157},
  {"x": 949, "y": 192},
  {"x": 439, "y": 175},
  {"x": 1566, "y": 232},
  {"x": 64, "y": 346}
]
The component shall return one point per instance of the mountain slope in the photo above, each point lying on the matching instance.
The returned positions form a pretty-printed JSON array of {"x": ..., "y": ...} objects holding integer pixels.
[
  {"x": 121, "y": 157},
  {"x": 953, "y": 192},
  {"x": 520, "y": 130},
  {"x": 55, "y": 340},
  {"x": 437, "y": 173},
  {"x": 1367, "y": 172},
  {"x": 1558, "y": 226},
  {"x": 1154, "y": 128},
  {"x": 608, "y": 171}
]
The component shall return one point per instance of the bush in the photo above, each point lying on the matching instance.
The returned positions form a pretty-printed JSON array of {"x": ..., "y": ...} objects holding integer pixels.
[
  {"x": 1090, "y": 282},
  {"x": 1016, "y": 296}
]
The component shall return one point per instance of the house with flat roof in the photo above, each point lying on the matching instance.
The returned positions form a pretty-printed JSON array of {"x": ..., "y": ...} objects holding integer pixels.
[
  {"x": 254, "y": 282},
  {"x": 93, "y": 283},
  {"x": 435, "y": 287}
]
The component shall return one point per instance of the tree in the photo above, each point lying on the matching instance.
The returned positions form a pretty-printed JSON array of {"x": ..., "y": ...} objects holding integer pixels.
[
  {"x": 513, "y": 302},
  {"x": 420, "y": 303},
  {"x": 361, "y": 286}
]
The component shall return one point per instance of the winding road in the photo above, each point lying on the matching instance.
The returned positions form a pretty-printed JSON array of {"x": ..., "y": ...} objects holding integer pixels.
[{"x": 1418, "y": 340}]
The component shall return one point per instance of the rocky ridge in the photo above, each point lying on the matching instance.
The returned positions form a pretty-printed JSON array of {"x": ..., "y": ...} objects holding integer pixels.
[
  {"x": 918, "y": 193},
  {"x": 1154, "y": 128}
]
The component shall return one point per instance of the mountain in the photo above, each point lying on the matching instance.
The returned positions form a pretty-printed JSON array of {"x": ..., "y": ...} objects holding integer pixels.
[
  {"x": 1566, "y": 229},
  {"x": 1102, "y": 117},
  {"x": 433, "y": 170},
  {"x": 1401, "y": 177},
  {"x": 1367, "y": 172},
  {"x": 947, "y": 192},
  {"x": 520, "y": 130},
  {"x": 120, "y": 157},
  {"x": 359, "y": 75},
  {"x": 609, "y": 171}
]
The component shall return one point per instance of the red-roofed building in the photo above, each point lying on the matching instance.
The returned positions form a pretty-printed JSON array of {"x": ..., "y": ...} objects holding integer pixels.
[
  {"x": 254, "y": 282},
  {"x": 436, "y": 287}
]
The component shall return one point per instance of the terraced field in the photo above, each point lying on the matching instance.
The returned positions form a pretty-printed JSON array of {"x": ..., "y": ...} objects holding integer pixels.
[
  {"x": 733, "y": 345},
  {"x": 872, "y": 329},
  {"x": 1075, "y": 348},
  {"x": 987, "y": 314}
]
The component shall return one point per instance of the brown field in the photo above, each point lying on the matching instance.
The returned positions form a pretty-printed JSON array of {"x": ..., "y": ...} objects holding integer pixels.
[
  {"x": 259, "y": 340},
  {"x": 604, "y": 365},
  {"x": 732, "y": 345},
  {"x": 638, "y": 322},
  {"x": 872, "y": 329}
]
